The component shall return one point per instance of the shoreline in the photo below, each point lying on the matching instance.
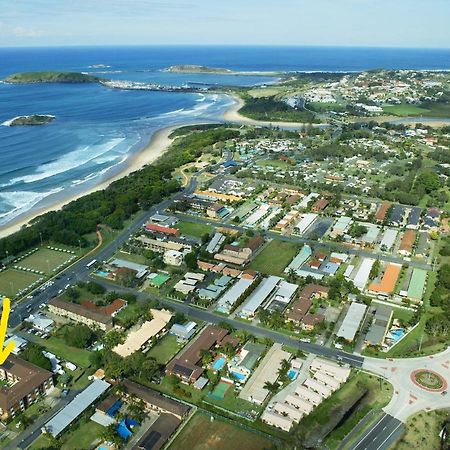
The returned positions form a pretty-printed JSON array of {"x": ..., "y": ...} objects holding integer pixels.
[
  {"x": 232, "y": 115},
  {"x": 157, "y": 145}
]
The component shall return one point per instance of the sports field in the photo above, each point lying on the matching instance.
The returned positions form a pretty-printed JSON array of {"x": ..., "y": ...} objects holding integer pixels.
[
  {"x": 202, "y": 434},
  {"x": 45, "y": 260},
  {"x": 12, "y": 281},
  {"x": 405, "y": 110},
  {"x": 274, "y": 258}
]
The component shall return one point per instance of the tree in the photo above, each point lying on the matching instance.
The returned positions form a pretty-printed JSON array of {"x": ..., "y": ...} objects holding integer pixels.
[
  {"x": 80, "y": 335},
  {"x": 271, "y": 387},
  {"x": 33, "y": 354},
  {"x": 191, "y": 261},
  {"x": 95, "y": 288}
]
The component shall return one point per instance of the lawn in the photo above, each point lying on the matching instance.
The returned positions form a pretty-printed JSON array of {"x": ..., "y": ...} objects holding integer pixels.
[
  {"x": 202, "y": 434},
  {"x": 274, "y": 258},
  {"x": 165, "y": 349},
  {"x": 422, "y": 431},
  {"x": 45, "y": 260},
  {"x": 193, "y": 229},
  {"x": 131, "y": 257},
  {"x": 83, "y": 436},
  {"x": 273, "y": 163},
  {"x": 404, "y": 110},
  {"x": 12, "y": 281},
  {"x": 55, "y": 345}
]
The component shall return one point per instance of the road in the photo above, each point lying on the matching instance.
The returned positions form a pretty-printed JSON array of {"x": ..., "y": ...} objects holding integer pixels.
[
  {"x": 381, "y": 435},
  {"x": 329, "y": 246}
]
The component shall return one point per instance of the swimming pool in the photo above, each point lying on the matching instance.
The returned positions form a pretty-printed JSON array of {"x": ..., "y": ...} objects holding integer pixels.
[
  {"x": 102, "y": 273},
  {"x": 397, "y": 334},
  {"x": 292, "y": 374},
  {"x": 238, "y": 376},
  {"x": 219, "y": 363}
]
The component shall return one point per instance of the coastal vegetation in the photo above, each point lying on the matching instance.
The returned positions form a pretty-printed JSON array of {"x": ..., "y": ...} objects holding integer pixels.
[
  {"x": 52, "y": 77},
  {"x": 117, "y": 203},
  {"x": 272, "y": 109},
  {"x": 35, "y": 119}
]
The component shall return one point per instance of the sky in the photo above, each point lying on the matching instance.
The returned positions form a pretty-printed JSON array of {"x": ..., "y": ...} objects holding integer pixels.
[{"x": 378, "y": 23}]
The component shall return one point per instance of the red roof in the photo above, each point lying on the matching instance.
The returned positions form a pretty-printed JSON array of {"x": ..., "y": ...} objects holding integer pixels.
[
  {"x": 108, "y": 310},
  {"x": 160, "y": 229}
]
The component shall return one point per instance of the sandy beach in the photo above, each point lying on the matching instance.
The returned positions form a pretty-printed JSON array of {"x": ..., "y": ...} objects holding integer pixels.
[{"x": 157, "y": 146}]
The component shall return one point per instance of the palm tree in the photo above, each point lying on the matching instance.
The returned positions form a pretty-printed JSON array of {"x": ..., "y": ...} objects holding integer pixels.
[{"x": 271, "y": 387}]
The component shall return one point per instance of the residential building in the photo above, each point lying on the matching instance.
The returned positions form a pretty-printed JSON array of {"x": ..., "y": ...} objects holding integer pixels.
[
  {"x": 155, "y": 228},
  {"x": 407, "y": 242},
  {"x": 352, "y": 321},
  {"x": 381, "y": 320},
  {"x": 21, "y": 385},
  {"x": 173, "y": 257},
  {"x": 80, "y": 314}
]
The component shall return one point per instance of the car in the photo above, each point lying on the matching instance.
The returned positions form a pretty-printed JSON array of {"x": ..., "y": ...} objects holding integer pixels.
[{"x": 444, "y": 393}]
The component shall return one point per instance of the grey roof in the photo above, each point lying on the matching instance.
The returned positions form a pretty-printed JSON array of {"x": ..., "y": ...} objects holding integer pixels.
[
  {"x": 73, "y": 410},
  {"x": 352, "y": 320},
  {"x": 414, "y": 216},
  {"x": 397, "y": 213}
]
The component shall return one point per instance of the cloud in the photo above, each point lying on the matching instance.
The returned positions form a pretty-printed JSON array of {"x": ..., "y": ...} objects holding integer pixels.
[{"x": 26, "y": 32}]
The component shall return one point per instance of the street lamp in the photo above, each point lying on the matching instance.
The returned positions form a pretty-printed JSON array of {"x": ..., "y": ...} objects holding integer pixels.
[{"x": 40, "y": 235}]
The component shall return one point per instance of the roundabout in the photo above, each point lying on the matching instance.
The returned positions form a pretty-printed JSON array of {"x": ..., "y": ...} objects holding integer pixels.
[{"x": 429, "y": 380}]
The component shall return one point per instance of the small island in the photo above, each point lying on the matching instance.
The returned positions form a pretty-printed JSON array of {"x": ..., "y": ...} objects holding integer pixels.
[
  {"x": 193, "y": 68},
  {"x": 52, "y": 77},
  {"x": 34, "y": 120}
]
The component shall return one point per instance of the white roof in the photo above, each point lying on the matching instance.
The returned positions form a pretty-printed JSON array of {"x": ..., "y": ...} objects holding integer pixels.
[
  {"x": 352, "y": 320},
  {"x": 73, "y": 410},
  {"x": 318, "y": 387},
  {"x": 231, "y": 296},
  {"x": 389, "y": 238},
  {"x": 300, "y": 403},
  {"x": 305, "y": 222},
  {"x": 259, "y": 295},
  {"x": 362, "y": 275}
]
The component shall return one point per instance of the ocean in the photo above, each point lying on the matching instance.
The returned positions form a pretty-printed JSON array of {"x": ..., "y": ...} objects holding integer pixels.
[{"x": 97, "y": 129}]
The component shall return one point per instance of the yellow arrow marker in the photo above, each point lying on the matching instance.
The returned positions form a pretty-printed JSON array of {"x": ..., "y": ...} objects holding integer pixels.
[{"x": 5, "y": 352}]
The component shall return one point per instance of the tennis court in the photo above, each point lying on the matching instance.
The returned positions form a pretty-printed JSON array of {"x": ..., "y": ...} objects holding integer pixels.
[{"x": 220, "y": 390}]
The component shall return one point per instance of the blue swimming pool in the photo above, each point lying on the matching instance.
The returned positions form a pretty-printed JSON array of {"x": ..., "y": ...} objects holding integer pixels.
[
  {"x": 292, "y": 374},
  {"x": 397, "y": 334},
  {"x": 102, "y": 273},
  {"x": 219, "y": 363},
  {"x": 238, "y": 376}
]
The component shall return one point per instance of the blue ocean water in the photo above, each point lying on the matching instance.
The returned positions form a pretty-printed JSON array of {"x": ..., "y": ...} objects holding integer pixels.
[{"x": 97, "y": 129}]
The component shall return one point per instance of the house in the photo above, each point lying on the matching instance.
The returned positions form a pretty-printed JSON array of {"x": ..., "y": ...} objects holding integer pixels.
[
  {"x": 183, "y": 331},
  {"x": 423, "y": 245},
  {"x": 186, "y": 366},
  {"x": 109, "y": 310},
  {"x": 217, "y": 211},
  {"x": 387, "y": 283},
  {"x": 414, "y": 218},
  {"x": 240, "y": 256},
  {"x": 164, "y": 245},
  {"x": 72, "y": 411},
  {"x": 155, "y": 228},
  {"x": 301, "y": 306},
  {"x": 381, "y": 320},
  {"x": 40, "y": 323},
  {"x": 21, "y": 385},
  {"x": 330, "y": 368},
  {"x": 407, "y": 242},
  {"x": 242, "y": 364},
  {"x": 173, "y": 257},
  {"x": 284, "y": 422},
  {"x": 137, "y": 339},
  {"x": 382, "y": 211},
  {"x": 320, "y": 205},
  {"x": 352, "y": 321},
  {"x": 155, "y": 401},
  {"x": 80, "y": 314}
]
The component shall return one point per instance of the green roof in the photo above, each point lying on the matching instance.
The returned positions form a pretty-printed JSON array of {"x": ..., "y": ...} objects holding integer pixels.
[
  {"x": 417, "y": 284},
  {"x": 159, "y": 279}
]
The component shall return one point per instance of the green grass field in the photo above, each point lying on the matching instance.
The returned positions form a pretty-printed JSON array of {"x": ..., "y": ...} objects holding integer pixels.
[
  {"x": 165, "y": 349},
  {"x": 12, "y": 281},
  {"x": 422, "y": 431},
  {"x": 193, "y": 229},
  {"x": 405, "y": 110},
  {"x": 274, "y": 258},
  {"x": 45, "y": 260},
  {"x": 202, "y": 434},
  {"x": 273, "y": 163},
  {"x": 55, "y": 345}
]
